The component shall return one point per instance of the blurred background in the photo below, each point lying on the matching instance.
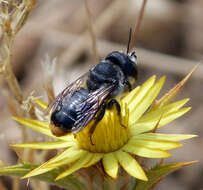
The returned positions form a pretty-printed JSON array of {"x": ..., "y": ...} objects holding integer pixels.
[{"x": 169, "y": 42}]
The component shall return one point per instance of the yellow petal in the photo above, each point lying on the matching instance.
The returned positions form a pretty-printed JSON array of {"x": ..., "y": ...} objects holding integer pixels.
[
  {"x": 157, "y": 113},
  {"x": 130, "y": 96},
  {"x": 36, "y": 125},
  {"x": 142, "y": 127},
  {"x": 145, "y": 151},
  {"x": 41, "y": 127},
  {"x": 46, "y": 145},
  {"x": 153, "y": 143},
  {"x": 32, "y": 122},
  {"x": 66, "y": 157},
  {"x": 168, "y": 137},
  {"x": 76, "y": 165},
  {"x": 145, "y": 102},
  {"x": 138, "y": 94},
  {"x": 96, "y": 158},
  {"x": 130, "y": 165},
  {"x": 110, "y": 164},
  {"x": 42, "y": 104}
]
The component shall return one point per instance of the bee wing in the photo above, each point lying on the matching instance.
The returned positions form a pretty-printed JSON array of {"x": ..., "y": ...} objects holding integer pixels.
[
  {"x": 68, "y": 91},
  {"x": 90, "y": 107}
]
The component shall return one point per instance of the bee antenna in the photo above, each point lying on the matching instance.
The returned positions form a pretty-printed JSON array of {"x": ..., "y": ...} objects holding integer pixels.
[{"x": 129, "y": 40}]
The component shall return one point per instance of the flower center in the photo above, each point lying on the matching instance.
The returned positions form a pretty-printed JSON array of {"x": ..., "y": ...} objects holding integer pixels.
[{"x": 110, "y": 134}]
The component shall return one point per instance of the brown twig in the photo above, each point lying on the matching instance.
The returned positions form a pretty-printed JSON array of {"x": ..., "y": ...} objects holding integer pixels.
[
  {"x": 149, "y": 59},
  {"x": 12, "y": 19},
  {"x": 11, "y": 23},
  {"x": 137, "y": 26},
  {"x": 48, "y": 68},
  {"x": 157, "y": 124},
  {"x": 16, "y": 183},
  {"x": 108, "y": 16},
  {"x": 155, "y": 60},
  {"x": 2, "y": 186},
  {"x": 92, "y": 35},
  {"x": 7, "y": 71}
]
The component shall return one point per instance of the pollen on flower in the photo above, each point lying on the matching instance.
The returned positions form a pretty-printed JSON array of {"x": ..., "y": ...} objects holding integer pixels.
[{"x": 111, "y": 133}]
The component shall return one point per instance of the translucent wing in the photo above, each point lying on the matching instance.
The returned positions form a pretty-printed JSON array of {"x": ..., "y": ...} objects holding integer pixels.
[
  {"x": 88, "y": 109},
  {"x": 68, "y": 91}
]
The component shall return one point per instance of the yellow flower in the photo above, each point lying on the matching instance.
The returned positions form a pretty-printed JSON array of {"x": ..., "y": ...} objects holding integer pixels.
[{"x": 117, "y": 140}]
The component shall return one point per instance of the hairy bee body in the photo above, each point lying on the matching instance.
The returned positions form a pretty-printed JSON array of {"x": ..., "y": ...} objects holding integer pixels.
[
  {"x": 117, "y": 68},
  {"x": 76, "y": 106},
  {"x": 65, "y": 113}
]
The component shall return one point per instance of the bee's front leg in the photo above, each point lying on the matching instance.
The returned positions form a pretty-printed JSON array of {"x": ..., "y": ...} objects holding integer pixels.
[
  {"x": 127, "y": 83},
  {"x": 118, "y": 108},
  {"x": 96, "y": 121}
]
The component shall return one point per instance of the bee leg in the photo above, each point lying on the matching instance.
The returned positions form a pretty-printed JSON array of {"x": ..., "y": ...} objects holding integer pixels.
[
  {"x": 127, "y": 83},
  {"x": 118, "y": 108},
  {"x": 97, "y": 119}
]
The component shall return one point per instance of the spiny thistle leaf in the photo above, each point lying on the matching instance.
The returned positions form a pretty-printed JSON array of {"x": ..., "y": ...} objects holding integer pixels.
[
  {"x": 69, "y": 182},
  {"x": 156, "y": 174},
  {"x": 168, "y": 97}
]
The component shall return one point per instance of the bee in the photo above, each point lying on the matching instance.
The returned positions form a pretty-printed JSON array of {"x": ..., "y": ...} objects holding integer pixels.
[{"x": 90, "y": 95}]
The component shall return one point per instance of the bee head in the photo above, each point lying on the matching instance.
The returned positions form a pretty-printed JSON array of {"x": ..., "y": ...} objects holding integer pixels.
[{"x": 127, "y": 62}]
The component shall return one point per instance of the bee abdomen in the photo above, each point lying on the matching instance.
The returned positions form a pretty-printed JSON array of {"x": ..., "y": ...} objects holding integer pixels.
[
  {"x": 65, "y": 115},
  {"x": 63, "y": 120}
]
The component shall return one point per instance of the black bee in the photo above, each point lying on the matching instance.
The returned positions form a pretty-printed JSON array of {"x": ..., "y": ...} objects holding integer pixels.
[{"x": 89, "y": 96}]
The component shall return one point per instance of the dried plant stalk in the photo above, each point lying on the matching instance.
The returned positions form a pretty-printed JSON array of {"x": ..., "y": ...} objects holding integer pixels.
[
  {"x": 92, "y": 35},
  {"x": 137, "y": 26},
  {"x": 15, "y": 110},
  {"x": 16, "y": 183},
  {"x": 48, "y": 67},
  {"x": 13, "y": 17},
  {"x": 7, "y": 71},
  {"x": 107, "y": 17},
  {"x": 2, "y": 187}
]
